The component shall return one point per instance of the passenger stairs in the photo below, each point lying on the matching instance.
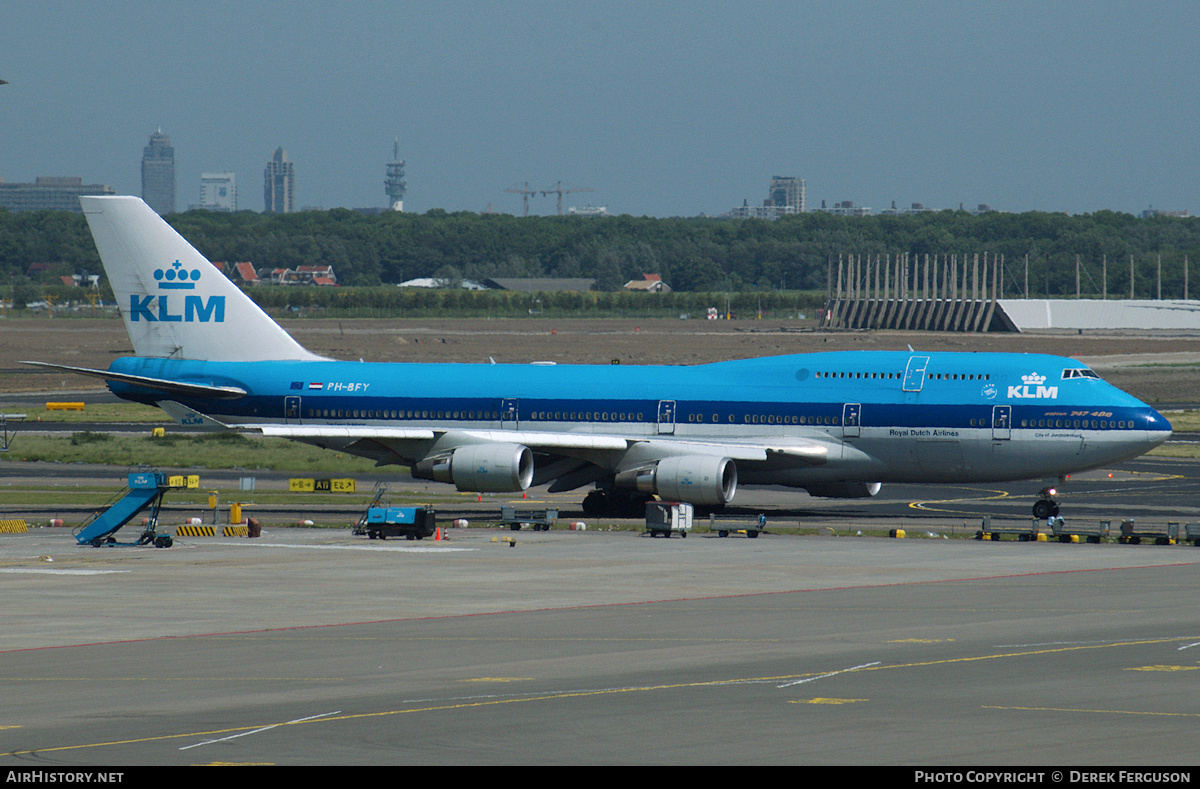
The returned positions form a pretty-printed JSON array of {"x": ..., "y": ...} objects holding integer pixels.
[{"x": 145, "y": 493}]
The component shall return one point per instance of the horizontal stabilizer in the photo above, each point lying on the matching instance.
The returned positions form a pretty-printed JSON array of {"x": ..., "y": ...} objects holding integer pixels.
[{"x": 179, "y": 388}]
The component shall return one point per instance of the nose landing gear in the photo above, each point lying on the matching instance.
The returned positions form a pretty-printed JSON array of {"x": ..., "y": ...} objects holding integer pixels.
[{"x": 1046, "y": 506}]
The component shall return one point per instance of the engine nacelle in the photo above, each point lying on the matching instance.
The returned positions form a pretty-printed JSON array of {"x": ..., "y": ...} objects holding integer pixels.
[
  {"x": 844, "y": 490},
  {"x": 696, "y": 479},
  {"x": 484, "y": 468}
]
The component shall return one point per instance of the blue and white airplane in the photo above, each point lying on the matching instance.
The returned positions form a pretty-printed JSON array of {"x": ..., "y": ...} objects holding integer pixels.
[{"x": 835, "y": 424}]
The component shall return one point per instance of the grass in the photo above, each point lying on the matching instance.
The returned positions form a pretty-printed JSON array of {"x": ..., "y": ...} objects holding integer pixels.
[
  {"x": 186, "y": 451},
  {"x": 1184, "y": 421},
  {"x": 101, "y": 412}
]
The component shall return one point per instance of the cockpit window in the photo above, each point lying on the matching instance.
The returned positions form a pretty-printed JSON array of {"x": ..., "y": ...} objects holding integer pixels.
[{"x": 1078, "y": 372}]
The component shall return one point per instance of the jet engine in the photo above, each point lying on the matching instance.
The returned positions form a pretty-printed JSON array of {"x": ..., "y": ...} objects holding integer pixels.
[
  {"x": 844, "y": 490},
  {"x": 484, "y": 468},
  {"x": 696, "y": 479}
]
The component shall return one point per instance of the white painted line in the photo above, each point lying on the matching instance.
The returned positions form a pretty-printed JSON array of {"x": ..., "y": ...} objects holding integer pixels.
[
  {"x": 830, "y": 674},
  {"x": 41, "y": 571},
  {"x": 259, "y": 730},
  {"x": 376, "y": 548}
]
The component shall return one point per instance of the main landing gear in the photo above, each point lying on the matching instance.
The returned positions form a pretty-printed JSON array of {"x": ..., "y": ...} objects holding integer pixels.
[
  {"x": 615, "y": 503},
  {"x": 1046, "y": 506}
]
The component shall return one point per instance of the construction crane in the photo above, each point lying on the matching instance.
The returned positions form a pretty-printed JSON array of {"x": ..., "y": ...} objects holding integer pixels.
[
  {"x": 558, "y": 189},
  {"x": 516, "y": 189}
]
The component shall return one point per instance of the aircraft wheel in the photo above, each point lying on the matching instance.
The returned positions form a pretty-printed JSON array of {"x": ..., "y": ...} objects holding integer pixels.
[
  {"x": 1045, "y": 508},
  {"x": 594, "y": 504}
]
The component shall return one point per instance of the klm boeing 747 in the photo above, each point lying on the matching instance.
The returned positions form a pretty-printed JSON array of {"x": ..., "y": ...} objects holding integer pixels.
[{"x": 834, "y": 424}]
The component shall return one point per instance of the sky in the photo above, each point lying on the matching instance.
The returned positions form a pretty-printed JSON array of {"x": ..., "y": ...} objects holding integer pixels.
[{"x": 663, "y": 108}]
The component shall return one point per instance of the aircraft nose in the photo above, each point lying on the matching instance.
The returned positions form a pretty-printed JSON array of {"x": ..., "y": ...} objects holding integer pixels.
[{"x": 1158, "y": 429}]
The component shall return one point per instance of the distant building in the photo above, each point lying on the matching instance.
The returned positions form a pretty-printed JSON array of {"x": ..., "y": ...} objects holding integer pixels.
[
  {"x": 845, "y": 208},
  {"x": 649, "y": 283},
  {"x": 301, "y": 275},
  {"x": 914, "y": 208},
  {"x": 238, "y": 272},
  {"x": 218, "y": 192},
  {"x": 49, "y": 194},
  {"x": 588, "y": 210},
  {"x": 158, "y": 174},
  {"x": 434, "y": 282},
  {"x": 787, "y": 193},
  {"x": 541, "y": 285},
  {"x": 316, "y": 275},
  {"x": 1152, "y": 211},
  {"x": 279, "y": 184},
  {"x": 765, "y": 211}
]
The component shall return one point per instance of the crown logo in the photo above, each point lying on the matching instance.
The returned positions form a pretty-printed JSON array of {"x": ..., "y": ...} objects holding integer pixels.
[
  {"x": 1033, "y": 379},
  {"x": 176, "y": 277}
]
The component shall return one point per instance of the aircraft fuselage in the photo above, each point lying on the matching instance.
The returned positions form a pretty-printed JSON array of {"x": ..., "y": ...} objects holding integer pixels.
[{"x": 886, "y": 416}]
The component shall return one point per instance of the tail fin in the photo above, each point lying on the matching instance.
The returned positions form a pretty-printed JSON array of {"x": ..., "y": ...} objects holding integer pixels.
[{"x": 175, "y": 303}]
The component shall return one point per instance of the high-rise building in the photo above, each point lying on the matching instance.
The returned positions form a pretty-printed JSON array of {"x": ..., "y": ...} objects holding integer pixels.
[
  {"x": 279, "y": 184},
  {"x": 787, "y": 194},
  {"x": 218, "y": 192},
  {"x": 158, "y": 174}
]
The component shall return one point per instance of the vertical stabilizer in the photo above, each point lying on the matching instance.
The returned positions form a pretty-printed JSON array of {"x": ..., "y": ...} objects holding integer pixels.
[{"x": 176, "y": 304}]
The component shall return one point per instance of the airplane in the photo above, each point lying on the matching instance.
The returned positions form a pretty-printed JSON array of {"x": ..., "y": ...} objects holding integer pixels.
[{"x": 833, "y": 424}]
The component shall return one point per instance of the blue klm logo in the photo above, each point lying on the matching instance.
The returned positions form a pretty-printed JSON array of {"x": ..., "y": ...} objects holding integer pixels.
[{"x": 195, "y": 309}]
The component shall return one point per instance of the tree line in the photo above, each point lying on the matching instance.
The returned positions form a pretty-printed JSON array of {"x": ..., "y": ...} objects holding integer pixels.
[{"x": 692, "y": 254}]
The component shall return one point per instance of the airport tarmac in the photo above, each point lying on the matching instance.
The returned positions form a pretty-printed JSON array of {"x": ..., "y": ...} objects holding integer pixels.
[{"x": 608, "y": 647}]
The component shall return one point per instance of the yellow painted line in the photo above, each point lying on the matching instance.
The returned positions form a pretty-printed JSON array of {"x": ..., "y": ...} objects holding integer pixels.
[
  {"x": 1163, "y": 668},
  {"x": 927, "y": 505},
  {"x": 824, "y": 701},
  {"x": 1049, "y": 651}
]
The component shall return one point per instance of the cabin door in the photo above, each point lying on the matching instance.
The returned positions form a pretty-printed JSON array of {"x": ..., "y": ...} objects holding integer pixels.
[
  {"x": 509, "y": 407},
  {"x": 914, "y": 374},
  {"x": 1001, "y": 422},
  {"x": 852, "y": 420},
  {"x": 666, "y": 417},
  {"x": 291, "y": 408}
]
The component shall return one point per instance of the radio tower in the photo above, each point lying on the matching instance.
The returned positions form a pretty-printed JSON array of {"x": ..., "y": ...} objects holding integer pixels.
[{"x": 395, "y": 184}]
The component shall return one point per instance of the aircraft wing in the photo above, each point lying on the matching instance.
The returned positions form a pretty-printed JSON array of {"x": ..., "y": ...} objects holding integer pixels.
[
  {"x": 506, "y": 460},
  {"x": 810, "y": 452},
  {"x": 413, "y": 442}
]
